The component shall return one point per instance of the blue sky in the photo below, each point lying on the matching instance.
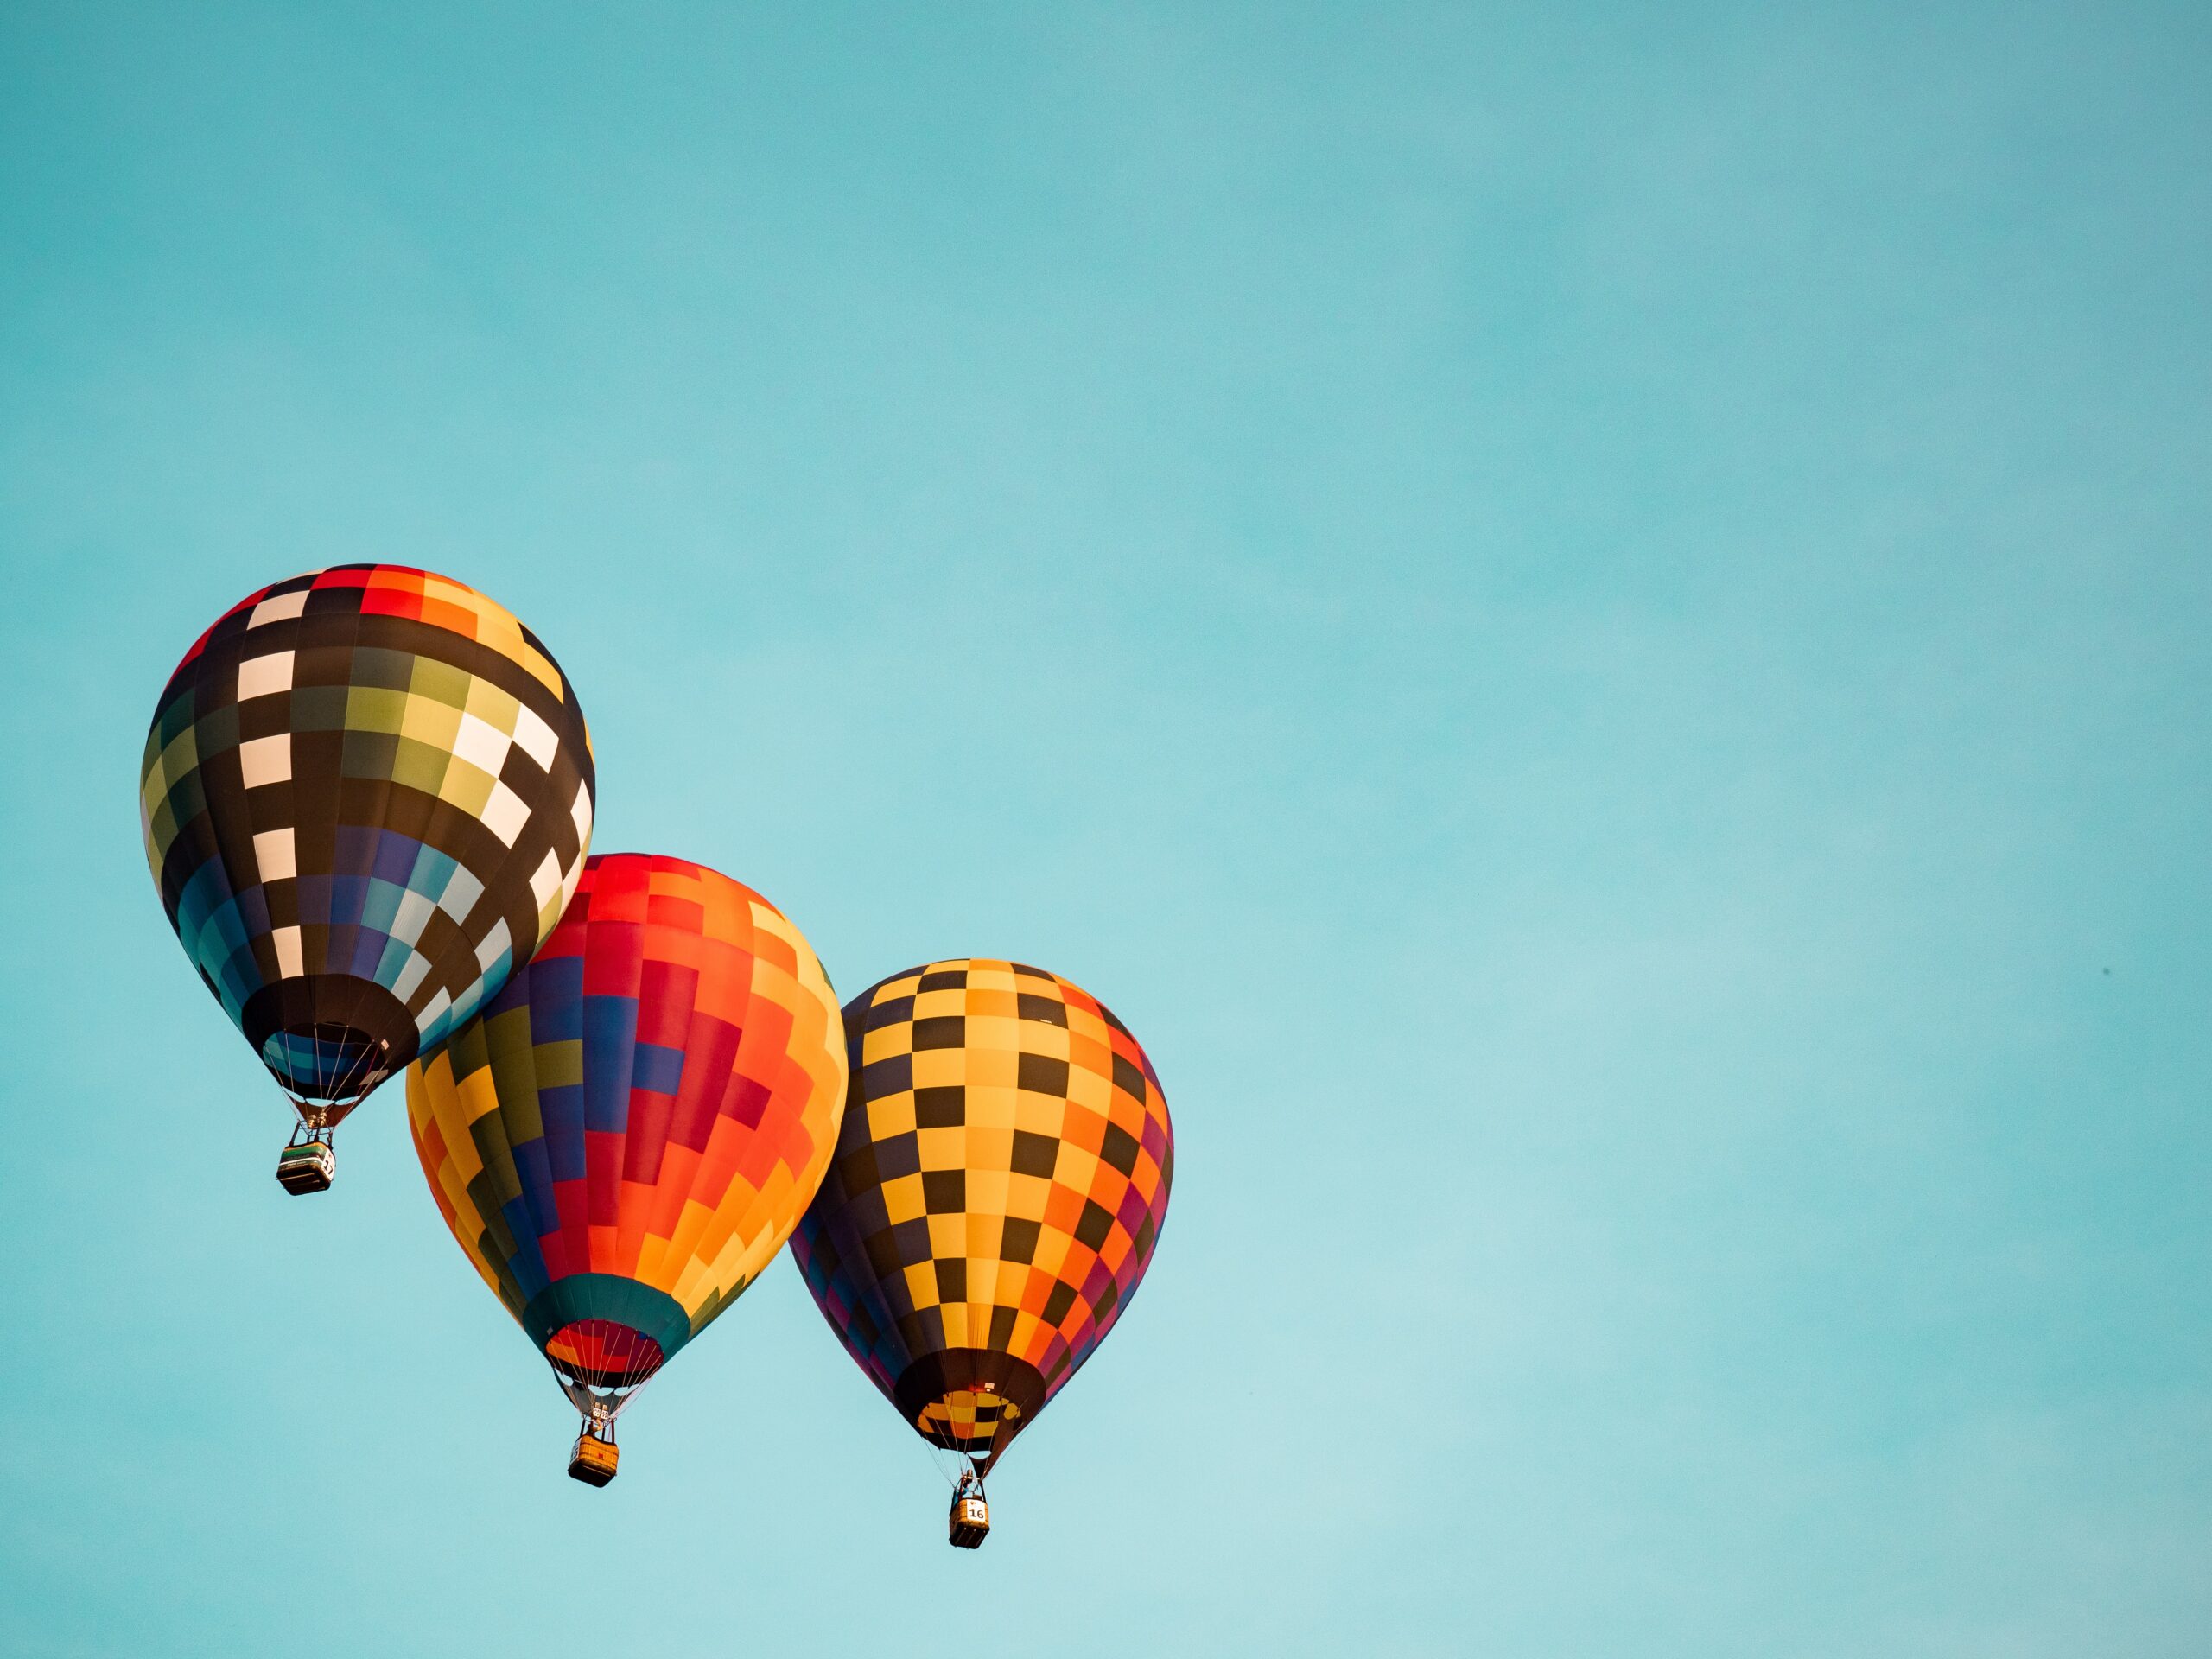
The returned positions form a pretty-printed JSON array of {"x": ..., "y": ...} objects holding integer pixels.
[{"x": 1595, "y": 624}]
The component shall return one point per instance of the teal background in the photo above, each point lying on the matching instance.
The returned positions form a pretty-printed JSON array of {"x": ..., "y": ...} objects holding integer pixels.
[{"x": 1594, "y": 622}]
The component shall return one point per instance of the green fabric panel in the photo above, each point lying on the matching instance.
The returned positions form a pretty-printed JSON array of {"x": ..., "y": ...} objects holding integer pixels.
[
  {"x": 442, "y": 682},
  {"x": 560, "y": 1064},
  {"x": 182, "y": 754},
  {"x": 382, "y": 666},
  {"x": 217, "y": 731},
  {"x": 420, "y": 765},
  {"x": 318, "y": 709},
  {"x": 514, "y": 1075},
  {"x": 164, "y": 832},
  {"x": 604, "y": 1296},
  {"x": 374, "y": 708},
  {"x": 467, "y": 1052},
  {"x": 368, "y": 754},
  {"x": 715, "y": 1304},
  {"x": 186, "y": 800},
  {"x": 173, "y": 719}
]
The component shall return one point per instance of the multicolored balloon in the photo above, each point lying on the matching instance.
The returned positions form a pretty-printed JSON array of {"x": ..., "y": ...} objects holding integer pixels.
[
  {"x": 624, "y": 1139},
  {"x": 366, "y": 796},
  {"x": 999, "y": 1186}
]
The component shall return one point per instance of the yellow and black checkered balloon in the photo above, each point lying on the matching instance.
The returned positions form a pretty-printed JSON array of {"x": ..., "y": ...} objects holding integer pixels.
[{"x": 999, "y": 1184}]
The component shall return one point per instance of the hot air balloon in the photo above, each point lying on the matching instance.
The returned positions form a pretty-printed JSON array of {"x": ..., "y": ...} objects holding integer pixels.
[
  {"x": 366, "y": 796},
  {"x": 627, "y": 1135},
  {"x": 999, "y": 1186}
]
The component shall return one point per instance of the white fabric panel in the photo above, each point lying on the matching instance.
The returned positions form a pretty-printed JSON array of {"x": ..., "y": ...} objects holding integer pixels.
[
  {"x": 482, "y": 744},
  {"x": 408, "y": 921},
  {"x": 282, "y": 608},
  {"x": 273, "y": 854},
  {"x": 411, "y": 976},
  {"x": 462, "y": 891},
  {"x": 266, "y": 759},
  {"x": 505, "y": 814},
  {"x": 537, "y": 737}
]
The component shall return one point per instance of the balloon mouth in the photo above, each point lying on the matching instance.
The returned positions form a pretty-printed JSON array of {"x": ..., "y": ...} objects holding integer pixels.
[
  {"x": 970, "y": 1402},
  {"x": 604, "y": 1353},
  {"x": 328, "y": 1062},
  {"x": 329, "y": 1036},
  {"x": 969, "y": 1422},
  {"x": 601, "y": 1364}
]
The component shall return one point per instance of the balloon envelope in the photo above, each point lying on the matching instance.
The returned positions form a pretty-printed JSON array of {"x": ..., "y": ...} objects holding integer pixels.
[
  {"x": 627, "y": 1135},
  {"x": 999, "y": 1183},
  {"x": 366, "y": 795}
]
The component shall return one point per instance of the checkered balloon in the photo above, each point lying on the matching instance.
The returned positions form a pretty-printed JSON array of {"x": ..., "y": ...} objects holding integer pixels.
[
  {"x": 624, "y": 1137},
  {"x": 999, "y": 1186},
  {"x": 366, "y": 796}
]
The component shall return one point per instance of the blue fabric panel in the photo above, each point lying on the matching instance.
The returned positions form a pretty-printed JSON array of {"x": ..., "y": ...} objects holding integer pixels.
[
  {"x": 656, "y": 1069},
  {"x": 610, "y": 1037}
]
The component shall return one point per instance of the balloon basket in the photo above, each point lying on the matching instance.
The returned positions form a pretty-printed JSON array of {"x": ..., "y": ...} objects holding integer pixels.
[
  {"x": 307, "y": 1166},
  {"x": 594, "y": 1461},
  {"x": 970, "y": 1520}
]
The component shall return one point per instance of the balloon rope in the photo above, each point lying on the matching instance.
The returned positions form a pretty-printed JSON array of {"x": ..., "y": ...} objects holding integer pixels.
[
  {"x": 338, "y": 1087},
  {"x": 314, "y": 1009},
  {"x": 366, "y": 1067},
  {"x": 353, "y": 1070}
]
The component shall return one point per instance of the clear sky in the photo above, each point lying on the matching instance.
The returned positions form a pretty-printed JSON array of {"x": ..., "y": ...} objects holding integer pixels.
[{"x": 1596, "y": 623}]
